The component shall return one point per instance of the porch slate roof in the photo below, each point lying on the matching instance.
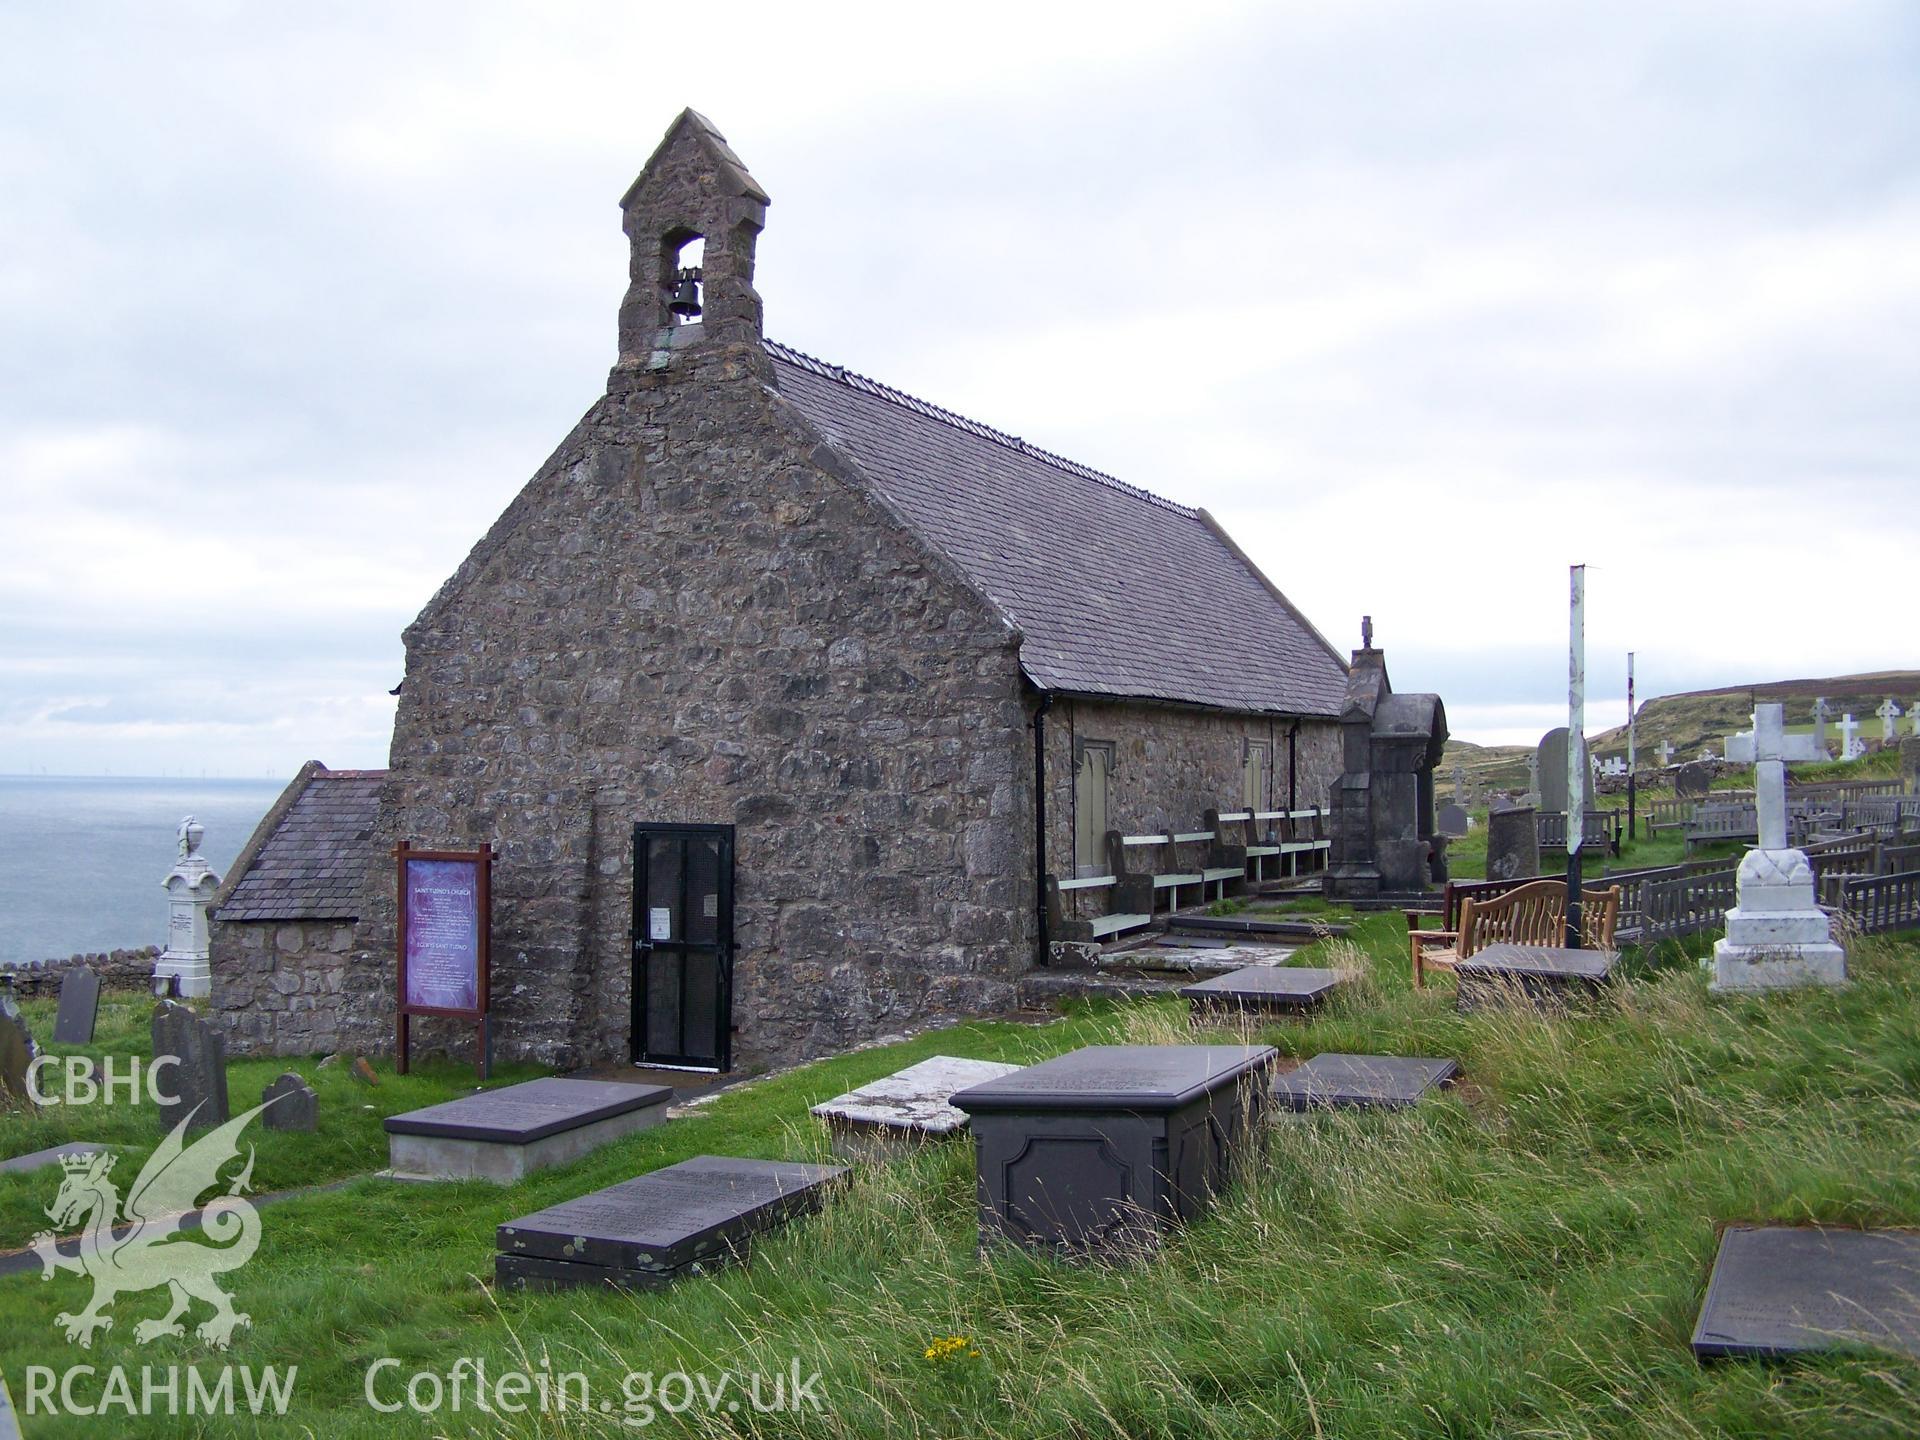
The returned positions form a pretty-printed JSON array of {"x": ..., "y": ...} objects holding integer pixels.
[
  {"x": 1116, "y": 591},
  {"x": 310, "y": 864}
]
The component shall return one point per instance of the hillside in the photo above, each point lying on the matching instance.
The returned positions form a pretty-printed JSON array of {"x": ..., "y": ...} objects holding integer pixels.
[{"x": 1704, "y": 718}]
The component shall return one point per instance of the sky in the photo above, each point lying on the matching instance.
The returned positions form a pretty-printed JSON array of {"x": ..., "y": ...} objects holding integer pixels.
[{"x": 1426, "y": 302}]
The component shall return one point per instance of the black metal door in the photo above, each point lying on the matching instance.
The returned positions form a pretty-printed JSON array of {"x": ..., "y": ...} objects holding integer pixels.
[{"x": 683, "y": 945}]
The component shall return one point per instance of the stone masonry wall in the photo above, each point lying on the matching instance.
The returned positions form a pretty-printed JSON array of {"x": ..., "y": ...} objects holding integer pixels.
[
  {"x": 695, "y": 613},
  {"x": 1171, "y": 765},
  {"x": 282, "y": 985},
  {"x": 117, "y": 969}
]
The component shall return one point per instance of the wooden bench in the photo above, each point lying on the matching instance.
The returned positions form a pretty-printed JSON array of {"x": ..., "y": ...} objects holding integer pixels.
[
  {"x": 1116, "y": 921},
  {"x": 1126, "y": 852},
  {"x": 1238, "y": 831},
  {"x": 1721, "y": 824},
  {"x": 1532, "y": 912}
]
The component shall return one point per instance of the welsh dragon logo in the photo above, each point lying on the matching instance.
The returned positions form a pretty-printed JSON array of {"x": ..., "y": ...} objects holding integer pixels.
[{"x": 141, "y": 1248}]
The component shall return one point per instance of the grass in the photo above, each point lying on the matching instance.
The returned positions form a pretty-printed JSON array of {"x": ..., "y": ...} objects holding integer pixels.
[
  {"x": 350, "y": 1140},
  {"x": 1522, "y": 1256}
]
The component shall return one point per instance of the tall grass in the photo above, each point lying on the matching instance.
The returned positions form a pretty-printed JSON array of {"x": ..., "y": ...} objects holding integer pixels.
[{"x": 1521, "y": 1256}]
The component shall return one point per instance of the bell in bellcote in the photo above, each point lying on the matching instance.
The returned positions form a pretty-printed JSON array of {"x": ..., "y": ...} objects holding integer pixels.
[{"x": 686, "y": 296}]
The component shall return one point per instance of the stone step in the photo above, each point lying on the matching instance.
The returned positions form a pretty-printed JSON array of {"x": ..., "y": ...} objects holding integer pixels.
[{"x": 1043, "y": 987}]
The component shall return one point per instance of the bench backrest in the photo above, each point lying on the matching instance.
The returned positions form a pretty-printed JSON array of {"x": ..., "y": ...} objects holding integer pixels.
[{"x": 1535, "y": 913}]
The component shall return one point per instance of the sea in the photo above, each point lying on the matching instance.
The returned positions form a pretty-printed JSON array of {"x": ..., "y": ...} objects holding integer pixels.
[{"x": 82, "y": 860}]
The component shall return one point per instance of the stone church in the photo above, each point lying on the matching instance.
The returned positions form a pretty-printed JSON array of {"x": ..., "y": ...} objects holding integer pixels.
[{"x": 781, "y": 695}]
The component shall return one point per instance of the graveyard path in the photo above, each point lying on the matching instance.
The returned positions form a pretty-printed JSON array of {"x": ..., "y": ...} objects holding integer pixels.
[{"x": 26, "y": 1259}]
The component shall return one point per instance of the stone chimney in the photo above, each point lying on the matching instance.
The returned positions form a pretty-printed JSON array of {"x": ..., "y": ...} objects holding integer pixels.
[{"x": 694, "y": 188}]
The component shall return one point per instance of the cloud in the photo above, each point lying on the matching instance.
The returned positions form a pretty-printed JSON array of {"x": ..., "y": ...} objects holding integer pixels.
[{"x": 1424, "y": 303}]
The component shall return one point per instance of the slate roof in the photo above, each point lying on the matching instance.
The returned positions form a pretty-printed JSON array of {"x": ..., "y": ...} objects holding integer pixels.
[
  {"x": 310, "y": 866},
  {"x": 1116, "y": 591}
]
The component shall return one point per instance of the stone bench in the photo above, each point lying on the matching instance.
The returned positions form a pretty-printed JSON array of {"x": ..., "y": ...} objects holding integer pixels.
[{"x": 503, "y": 1135}]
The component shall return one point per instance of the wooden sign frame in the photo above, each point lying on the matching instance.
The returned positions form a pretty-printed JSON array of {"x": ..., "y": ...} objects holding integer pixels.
[{"x": 482, "y": 861}]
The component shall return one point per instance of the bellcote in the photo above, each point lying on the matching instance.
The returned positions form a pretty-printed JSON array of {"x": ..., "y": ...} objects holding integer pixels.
[{"x": 692, "y": 219}]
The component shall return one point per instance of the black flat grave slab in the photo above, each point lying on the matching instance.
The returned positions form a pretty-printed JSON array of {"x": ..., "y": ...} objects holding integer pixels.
[
  {"x": 647, "y": 1231},
  {"x": 1383, "y": 1082},
  {"x": 1779, "y": 1290},
  {"x": 1106, "y": 1148},
  {"x": 79, "y": 1007},
  {"x": 1118, "y": 1077},
  {"x": 1544, "y": 975},
  {"x": 1263, "y": 987},
  {"x": 522, "y": 1114}
]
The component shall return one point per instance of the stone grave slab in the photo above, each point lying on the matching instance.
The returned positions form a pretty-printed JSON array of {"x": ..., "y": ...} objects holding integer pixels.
[
  {"x": 196, "y": 1086},
  {"x": 1262, "y": 987},
  {"x": 1105, "y": 1149},
  {"x": 17, "y": 1053},
  {"x": 79, "y": 1007},
  {"x": 40, "y": 1159},
  {"x": 1453, "y": 822},
  {"x": 1548, "y": 977},
  {"x": 1779, "y": 1290},
  {"x": 503, "y": 1134},
  {"x": 291, "y": 1104},
  {"x": 1377, "y": 1082},
  {"x": 906, "y": 1108},
  {"x": 645, "y": 1233}
]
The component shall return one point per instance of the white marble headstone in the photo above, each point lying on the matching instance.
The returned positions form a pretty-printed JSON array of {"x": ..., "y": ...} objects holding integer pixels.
[
  {"x": 1777, "y": 936},
  {"x": 190, "y": 888}
]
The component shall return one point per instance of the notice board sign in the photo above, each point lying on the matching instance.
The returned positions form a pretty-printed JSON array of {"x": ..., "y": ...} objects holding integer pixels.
[{"x": 445, "y": 909}]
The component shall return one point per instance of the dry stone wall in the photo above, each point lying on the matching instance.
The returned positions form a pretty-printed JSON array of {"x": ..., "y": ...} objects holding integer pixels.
[{"x": 117, "y": 969}]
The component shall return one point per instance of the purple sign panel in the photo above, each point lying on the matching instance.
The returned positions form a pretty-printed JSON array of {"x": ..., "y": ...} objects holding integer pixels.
[{"x": 443, "y": 934}]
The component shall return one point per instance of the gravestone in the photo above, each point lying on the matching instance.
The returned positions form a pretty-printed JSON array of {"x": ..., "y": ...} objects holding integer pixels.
[
  {"x": 1777, "y": 937},
  {"x": 196, "y": 1084},
  {"x": 1821, "y": 714},
  {"x": 1513, "y": 843},
  {"x": 1546, "y": 977},
  {"x": 1262, "y": 987},
  {"x": 1382, "y": 842},
  {"x": 291, "y": 1104},
  {"x": 502, "y": 1135},
  {"x": 645, "y": 1233},
  {"x": 903, "y": 1109},
  {"x": 1693, "y": 780},
  {"x": 1888, "y": 713},
  {"x": 1372, "y": 1082},
  {"x": 1551, "y": 754},
  {"x": 1665, "y": 751},
  {"x": 1459, "y": 781},
  {"x": 1851, "y": 746},
  {"x": 1778, "y": 1290},
  {"x": 79, "y": 1007},
  {"x": 184, "y": 967},
  {"x": 1910, "y": 765},
  {"x": 17, "y": 1053},
  {"x": 1453, "y": 822},
  {"x": 1102, "y": 1150},
  {"x": 1532, "y": 797}
]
